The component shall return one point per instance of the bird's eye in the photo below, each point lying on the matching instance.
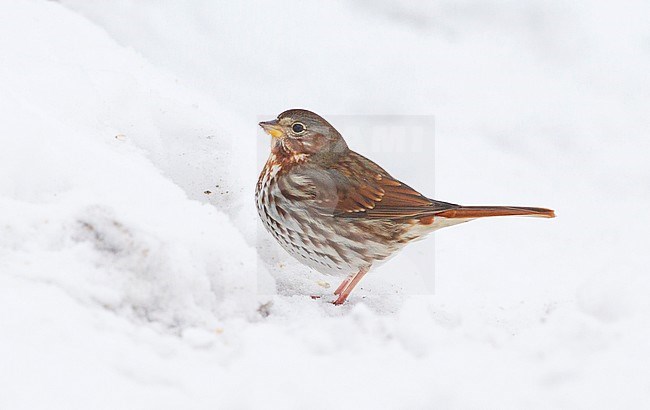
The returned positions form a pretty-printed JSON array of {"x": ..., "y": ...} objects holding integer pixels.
[{"x": 297, "y": 127}]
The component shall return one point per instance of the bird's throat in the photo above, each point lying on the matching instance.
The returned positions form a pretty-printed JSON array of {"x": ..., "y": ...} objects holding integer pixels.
[{"x": 283, "y": 154}]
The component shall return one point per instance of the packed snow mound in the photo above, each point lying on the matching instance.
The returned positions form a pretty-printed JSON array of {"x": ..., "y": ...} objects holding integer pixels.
[{"x": 85, "y": 207}]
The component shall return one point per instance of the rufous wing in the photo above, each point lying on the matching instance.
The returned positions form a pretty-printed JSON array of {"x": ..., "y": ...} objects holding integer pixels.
[
  {"x": 355, "y": 187},
  {"x": 366, "y": 190}
]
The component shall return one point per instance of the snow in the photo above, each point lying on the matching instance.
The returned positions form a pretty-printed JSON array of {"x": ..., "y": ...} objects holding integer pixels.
[{"x": 124, "y": 284}]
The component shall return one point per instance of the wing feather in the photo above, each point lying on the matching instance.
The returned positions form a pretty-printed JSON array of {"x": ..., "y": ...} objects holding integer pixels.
[{"x": 353, "y": 187}]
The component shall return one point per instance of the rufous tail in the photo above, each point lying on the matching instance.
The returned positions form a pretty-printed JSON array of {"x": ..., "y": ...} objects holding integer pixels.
[{"x": 484, "y": 211}]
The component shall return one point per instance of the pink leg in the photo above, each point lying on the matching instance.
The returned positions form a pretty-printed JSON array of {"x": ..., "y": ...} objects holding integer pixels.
[
  {"x": 349, "y": 285},
  {"x": 343, "y": 285}
]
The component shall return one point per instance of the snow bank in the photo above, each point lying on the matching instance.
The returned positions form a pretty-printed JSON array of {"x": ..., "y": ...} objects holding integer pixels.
[{"x": 81, "y": 190}]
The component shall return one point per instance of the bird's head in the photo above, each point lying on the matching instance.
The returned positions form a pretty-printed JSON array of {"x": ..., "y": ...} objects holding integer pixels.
[{"x": 301, "y": 132}]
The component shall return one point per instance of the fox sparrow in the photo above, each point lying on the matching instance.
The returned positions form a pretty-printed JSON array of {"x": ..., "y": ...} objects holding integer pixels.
[{"x": 340, "y": 213}]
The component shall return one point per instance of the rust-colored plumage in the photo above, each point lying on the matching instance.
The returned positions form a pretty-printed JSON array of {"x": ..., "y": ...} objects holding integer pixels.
[{"x": 339, "y": 212}]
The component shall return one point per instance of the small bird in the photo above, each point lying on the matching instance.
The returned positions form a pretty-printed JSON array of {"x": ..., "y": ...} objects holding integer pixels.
[{"x": 340, "y": 213}]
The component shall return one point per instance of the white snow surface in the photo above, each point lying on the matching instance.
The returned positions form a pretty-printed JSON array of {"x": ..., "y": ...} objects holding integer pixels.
[{"x": 124, "y": 285}]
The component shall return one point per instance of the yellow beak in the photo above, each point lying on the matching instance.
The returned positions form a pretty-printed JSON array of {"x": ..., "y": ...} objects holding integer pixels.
[{"x": 272, "y": 128}]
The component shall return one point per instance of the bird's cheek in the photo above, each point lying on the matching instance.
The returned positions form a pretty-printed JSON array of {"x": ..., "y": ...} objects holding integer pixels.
[
  {"x": 313, "y": 145},
  {"x": 295, "y": 146}
]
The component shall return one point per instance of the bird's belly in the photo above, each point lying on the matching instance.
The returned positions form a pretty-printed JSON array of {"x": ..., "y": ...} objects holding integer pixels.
[
  {"x": 303, "y": 244},
  {"x": 330, "y": 245}
]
